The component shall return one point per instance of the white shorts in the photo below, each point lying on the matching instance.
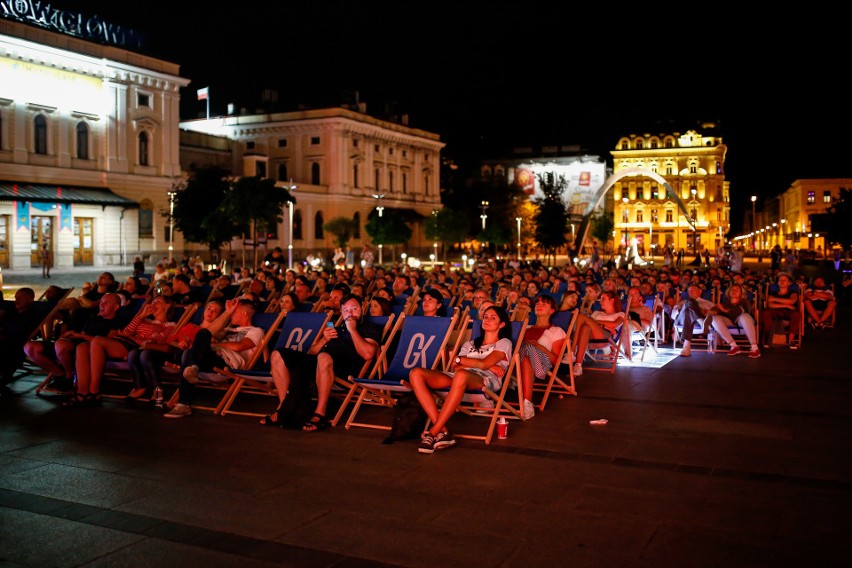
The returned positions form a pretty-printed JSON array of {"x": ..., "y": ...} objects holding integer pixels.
[{"x": 489, "y": 380}]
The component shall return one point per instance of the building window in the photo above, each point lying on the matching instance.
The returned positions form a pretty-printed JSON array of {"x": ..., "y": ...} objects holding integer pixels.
[
  {"x": 811, "y": 197},
  {"x": 668, "y": 170},
  {"x": 718, "y": 168},
  {"x": 694, "y": 214},
  {"x": 390, "y": 182},
  {"x": 143, "y": 100},
  {"x": 82, "y": 141},
  {"x": 693, "y": 169},
  {"x": 356, "y": 233},
  {"x": 625, "y": 146},
  {"x": 625, "y": 216},
  {"x": 654, "y": 144},
  {"x": 390, "y": 151},
  {"x": 669, "y": 217},
  {"x": 354, "y": 175},
  {"x": 40, "y": 135},
  {"x": 315, "y": 173},
  {"x": 404, "y": 182},
  {"x": 260, "y": 169},
  {"x": 376, "y": 148},
  {"x": 376, "y": 180},
  {"x": 826, "y": 197},
  {"x": 354, "y": 142},
  {"x": 315, "y": 140},
  {"x": 639, "y": 217},
  {"x": 146, "y": 219},
  {"x": 297, "y": 224},
  {"x": 405, "y": 153},
  {"x": 654, "y": 218},
  {"x": 143, "y": 148},
  {"x": 282, "y": 142},
  {"x": 250, "y": 145},
  {"x": 282, "y": 172},
  {"x": 318, "y": 230},
  {"x": 639, "y": 144}
]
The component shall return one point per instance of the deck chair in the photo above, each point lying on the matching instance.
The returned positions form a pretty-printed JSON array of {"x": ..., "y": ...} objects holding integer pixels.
[
  {"x": 421, "y": 342},
  {"x": 342, "y": 387},
  {"x": 46, "y": 311},
  {"x": 553, "y": 383},
  {"x": 216, "y": 380},
  {"x": 644, "y": 337},
  {"x": 472, "y": 399},
  {"x": 604, "y": 353},
  {"x": 299, "y": 331}
]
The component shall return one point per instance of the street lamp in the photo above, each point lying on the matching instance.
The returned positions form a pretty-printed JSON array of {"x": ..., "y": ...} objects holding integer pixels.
[
  {"x": 484, "y": 206},
  {"x": 694, "y": 221},
  {"x": 518, "y": 221},
  {"x": 172, "y": 194},
  {"x": 379, "y": 208},
  {"x": 753, "y": 222},
  {"x": 291, "y": 188}
]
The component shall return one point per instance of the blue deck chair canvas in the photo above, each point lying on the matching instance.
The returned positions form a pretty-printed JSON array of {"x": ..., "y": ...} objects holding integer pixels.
[
  {"x": 421, "y": 342},
  {"x": 299, "y": 331},
  {"x": 217, "y": 380},
  {"x": 472, "y": 400}
]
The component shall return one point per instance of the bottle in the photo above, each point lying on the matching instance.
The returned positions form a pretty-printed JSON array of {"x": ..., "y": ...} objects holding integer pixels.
[
  {"x": 158, "y": 396},
  {"x": 711, "y": 342}
]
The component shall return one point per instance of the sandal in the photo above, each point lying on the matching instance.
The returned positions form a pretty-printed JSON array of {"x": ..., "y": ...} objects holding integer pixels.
[
  {"x": 81, "y": 401},
  {"x": 316, "y": 425},
  {"x": 268, "y": 421}
]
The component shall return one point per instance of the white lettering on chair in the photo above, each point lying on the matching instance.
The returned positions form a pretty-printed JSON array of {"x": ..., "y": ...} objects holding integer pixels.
[
  {"x": 298, "y": 337},
  {"x": 416, "y": 354}
]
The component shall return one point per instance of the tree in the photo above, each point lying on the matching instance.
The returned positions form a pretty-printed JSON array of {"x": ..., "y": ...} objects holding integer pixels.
[
  {"x": 551, "y": 219},
  {"x": 342, "y": 228},
  {"x": 198, "y": 203},
  {"x": 257, "y": 203},
  {"x": 388, "y": 229},
  {"x": 448, "y": 227},
  {"x": 602, "y": 225}
]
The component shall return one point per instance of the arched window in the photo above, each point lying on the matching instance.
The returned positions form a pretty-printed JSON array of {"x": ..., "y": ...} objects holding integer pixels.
[
  {"x": 143, "y": 149},
  {"x": 282, "y": 172},
  {"x": 318, "y": 230},
  {"x": 315, "y": 174},
  {"x": 40, "y": 135},
  {"x": 639, "y": 144},
  {"x": 297, "y": 224},
  {"x": 82, "y": 141},
  {"x": 356, "y": 233}
]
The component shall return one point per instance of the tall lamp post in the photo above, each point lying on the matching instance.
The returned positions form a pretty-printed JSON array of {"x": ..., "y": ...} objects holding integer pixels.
[
  {"x": 518, "y": 221},
  {"x": 484, "y": 206},
  {"x": 172, "y": 195},
  {"x": 290, "y": 205},
  {"x": 694, "y": 220},
  {"x": 753, "y": 222},
  {"x": 379, "y": 208}
]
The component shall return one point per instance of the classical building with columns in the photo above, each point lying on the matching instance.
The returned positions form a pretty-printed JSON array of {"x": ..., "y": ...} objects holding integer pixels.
[
  {"x": 693, "y": 165},
  {"x": 340, "y": 162},
  {"x": 88, "y": 140}
]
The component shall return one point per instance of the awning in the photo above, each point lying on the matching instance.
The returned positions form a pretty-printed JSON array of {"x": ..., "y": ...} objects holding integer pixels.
[{"x": 35, "y": 193}]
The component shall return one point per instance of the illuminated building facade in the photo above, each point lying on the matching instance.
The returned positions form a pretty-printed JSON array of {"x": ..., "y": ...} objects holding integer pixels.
[
  {"x": 340, "y": 161},
  {"x": 693, "y": 165},
  {"x": 88, "y": 145},
  {"x": 793, "y": 227}
]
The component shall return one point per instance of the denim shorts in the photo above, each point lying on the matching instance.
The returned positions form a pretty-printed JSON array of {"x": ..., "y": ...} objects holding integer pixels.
[{"x": 489, "y": 380}]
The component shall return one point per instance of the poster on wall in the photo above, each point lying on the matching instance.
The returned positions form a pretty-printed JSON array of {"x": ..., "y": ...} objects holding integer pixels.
[
  {"x": 65, "y": 217},
  {"x": 22, "y": 213}
]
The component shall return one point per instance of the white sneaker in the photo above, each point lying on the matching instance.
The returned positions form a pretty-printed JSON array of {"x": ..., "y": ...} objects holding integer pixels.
[
  {"x": 179, "y": 411},
  {"x": 529, "y": 409},
  {"x": 687, "y": 349},
  {"x": 578, "y": 369}
]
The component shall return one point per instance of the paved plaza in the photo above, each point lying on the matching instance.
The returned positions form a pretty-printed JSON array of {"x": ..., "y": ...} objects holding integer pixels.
[{"x": 705, "y": 461}]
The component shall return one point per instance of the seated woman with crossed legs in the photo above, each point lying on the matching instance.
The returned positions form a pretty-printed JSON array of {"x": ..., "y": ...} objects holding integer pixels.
[{"x": 481, "y": 362}]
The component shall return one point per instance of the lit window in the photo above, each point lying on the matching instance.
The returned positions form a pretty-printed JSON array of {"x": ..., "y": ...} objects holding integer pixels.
[
  {"x": 639, "y": 217},
  {"x": 826, "y": 197},
  {"x": 811, "y": 197},
  {"x": 669, "y": 216}
]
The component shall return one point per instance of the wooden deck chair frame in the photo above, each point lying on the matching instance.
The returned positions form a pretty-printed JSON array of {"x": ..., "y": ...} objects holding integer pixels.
[
  {"x": 49, "y": 308},
  {"x": 553, "y": 383},
  {"x": 421, "y": 344},
  {"x": 342, "y": 387},
  {"x": 216, "y": 380},
  {"x": 502, "y": 407},
  {"x": 605, "y": 351},
  {"x": 299, "y": 331},
  {"x": 647, "y": 337}
]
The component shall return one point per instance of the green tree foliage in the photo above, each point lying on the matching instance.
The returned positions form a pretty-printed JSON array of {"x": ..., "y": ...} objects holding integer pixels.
[
  {"x": 342, "y": 228},
  {"x": 449, "y": 227},
  {"x": 257, "y": 203},
  {"x": 602, "y": 226},
  {"x": 196, "y": 209},
  {"x": 389, "y": 229},
  {"x": 551, "y": 219}
]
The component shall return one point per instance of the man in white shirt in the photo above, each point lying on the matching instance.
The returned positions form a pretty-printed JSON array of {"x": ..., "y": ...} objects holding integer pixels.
[{"x": 687, "y": 312}]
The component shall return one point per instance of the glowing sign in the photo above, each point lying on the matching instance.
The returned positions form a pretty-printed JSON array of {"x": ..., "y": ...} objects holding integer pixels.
[{"x": 91, "y": 28}]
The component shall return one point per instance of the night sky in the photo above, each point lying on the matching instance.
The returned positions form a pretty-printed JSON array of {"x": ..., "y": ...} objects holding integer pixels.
[{"x": 495, "y": 77}]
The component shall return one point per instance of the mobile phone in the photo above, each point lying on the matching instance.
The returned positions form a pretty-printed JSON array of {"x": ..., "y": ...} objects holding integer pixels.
[{"x": 329, "y": 324}]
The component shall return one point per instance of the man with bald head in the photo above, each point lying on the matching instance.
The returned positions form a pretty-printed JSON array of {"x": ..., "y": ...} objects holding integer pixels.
[{"x": 17, "y": 322}]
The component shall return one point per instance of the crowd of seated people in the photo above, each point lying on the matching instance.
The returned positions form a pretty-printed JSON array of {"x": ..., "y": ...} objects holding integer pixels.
[{"x": 87, "y": 336}]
